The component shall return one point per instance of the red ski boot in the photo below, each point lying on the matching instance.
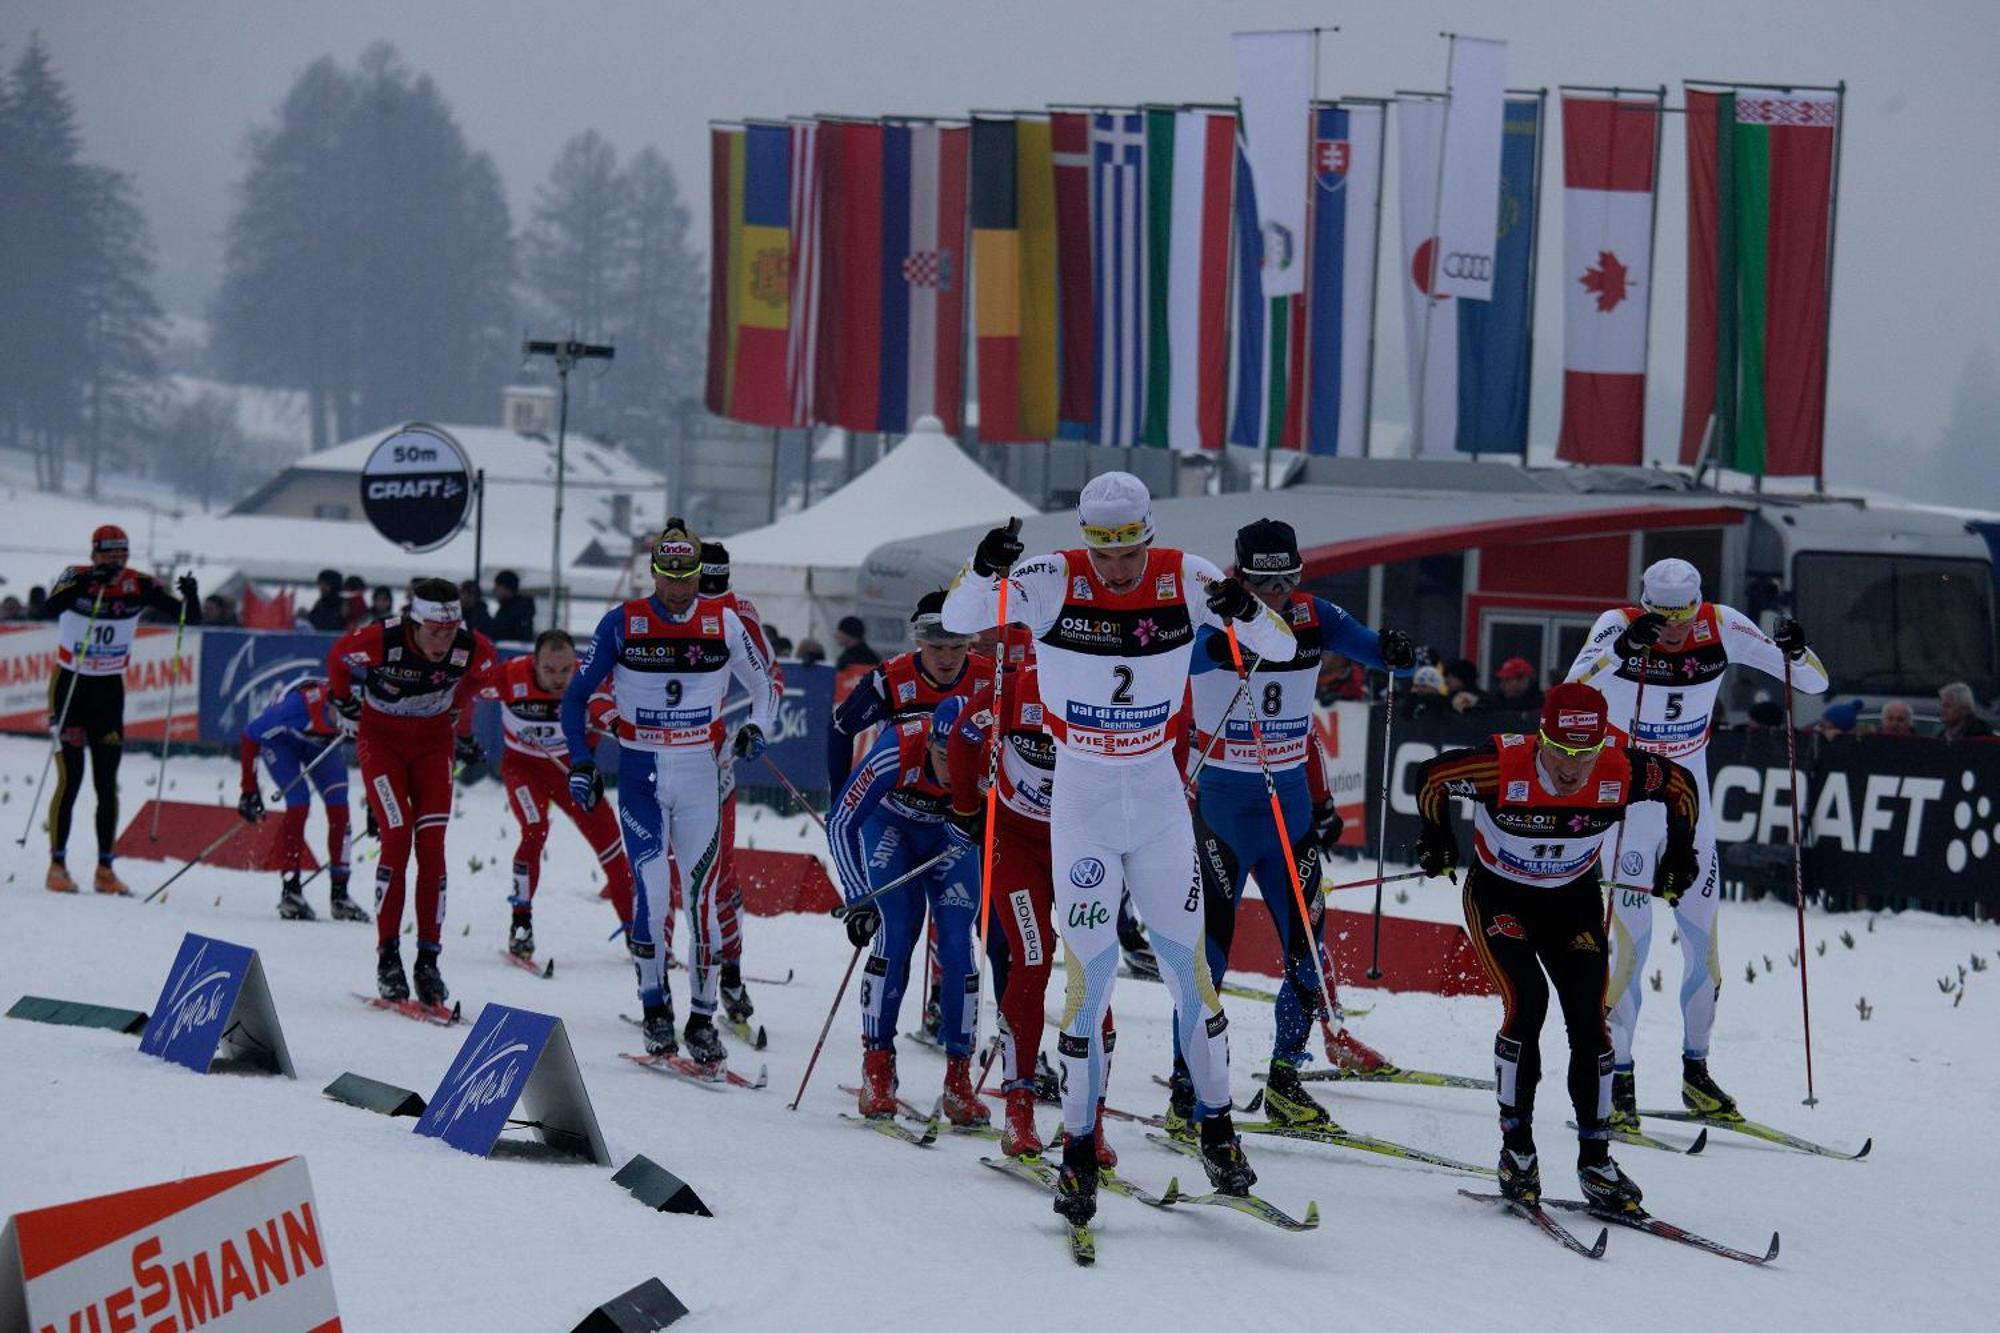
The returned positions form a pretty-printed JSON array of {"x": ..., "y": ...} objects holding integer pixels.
[
  {"x": 1356, "y": 1056},
  {"x": 878, "y": 1085},
  {"x": 1107, "y": 1156},
  {"x": 1019, "y": 1137},
  {"x": 962, "y": 1106}
]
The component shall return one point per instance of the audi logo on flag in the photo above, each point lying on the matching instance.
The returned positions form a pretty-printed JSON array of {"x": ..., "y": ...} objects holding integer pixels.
[{"x": 1471, "y": 268}]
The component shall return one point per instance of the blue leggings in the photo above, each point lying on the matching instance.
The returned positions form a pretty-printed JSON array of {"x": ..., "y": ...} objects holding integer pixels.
[{"x": 950, "y": 891}]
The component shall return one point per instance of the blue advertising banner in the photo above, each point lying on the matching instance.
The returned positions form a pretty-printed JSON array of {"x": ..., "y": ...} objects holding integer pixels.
[
  {"x": 215, "y": 1001},
  {"x": 514, "y": 1056},
  {"x": 242, "y": 671}
]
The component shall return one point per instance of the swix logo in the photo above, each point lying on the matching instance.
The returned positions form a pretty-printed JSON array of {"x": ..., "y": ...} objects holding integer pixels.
[
  {"x": 1505, "y": 924},
  {"x": 1079, "y": 589},
  {"x": 197, "y": 996},
  {"x": 637, "y": 625},
  {"x": 906, "y": 691},
  {"x": 489, "y": 1076},
  {"x": 1031, "y": 715},
  {"x": 1517, "y": 791},
  {"x": 1088, "y": 916}
]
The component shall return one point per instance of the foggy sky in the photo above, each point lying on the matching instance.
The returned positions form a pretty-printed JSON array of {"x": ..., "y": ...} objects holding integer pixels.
[{"x": 168, "y": 92}]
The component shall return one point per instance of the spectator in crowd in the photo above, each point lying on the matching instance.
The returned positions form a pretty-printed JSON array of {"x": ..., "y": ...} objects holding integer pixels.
[
  {"x": 1461, "y": 682},
  {"x": 1961, "y": 719},
  {"x": 1765, "y": 714},
  {"x": 354, "y": 599},
  {"x": 513, "y": 610},
  {"x": 1897, "y": 719},
  {"x": 1514, "y": 687},
  {"x": 1340, "y": 679},
  {"x": 1427, "y": 696},
  {"x": 477, "y": 617},
  {"x": 852, "y": 636},
  {"x": 327, "y": 613},
  {"x": 216, "y": 612},
  {"x": 381, "y": 604},
  {"x": 11, "y": 609},
  {"x": 811, "y": 652},
  {"x": 1838, "y": 720},
  {"x": 38, "y": 598}
]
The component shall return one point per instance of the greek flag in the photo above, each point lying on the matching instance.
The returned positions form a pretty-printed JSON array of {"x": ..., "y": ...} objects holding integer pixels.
[{"x": 1118, "y": 261}]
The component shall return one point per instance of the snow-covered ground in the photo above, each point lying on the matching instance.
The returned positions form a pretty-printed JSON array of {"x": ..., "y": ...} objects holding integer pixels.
[{"x": 821, "y": 1225}]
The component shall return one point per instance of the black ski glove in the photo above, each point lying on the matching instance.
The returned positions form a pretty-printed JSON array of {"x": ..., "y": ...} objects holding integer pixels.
[
  {"x": 1641, "y": 634},
  {"x": 1327, "y": 824},
  {"x": 465, "y": 750},
  {"x": 750, "y": 744},
  {"x": 586, "y": 786},
  {"x": 101, "y": 574},
  {"x": 1790, "y": 636},
  {"x": 998, "y": 550},
  {"x": 346, "y": 715},
  {"x": 1677, "y": 871},
  {"x": 251, "y": 806},
  {"x": 1230, "y": 600},
  {"x": 861, "y": 924},
  {"x": 1397, "y": 652},
  {"x": 1437, "y": 851},
  {"x": 189, "y": 590}
]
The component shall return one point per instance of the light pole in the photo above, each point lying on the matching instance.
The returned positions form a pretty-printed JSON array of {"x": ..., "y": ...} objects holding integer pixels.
[{"x": 566, "y": 354}]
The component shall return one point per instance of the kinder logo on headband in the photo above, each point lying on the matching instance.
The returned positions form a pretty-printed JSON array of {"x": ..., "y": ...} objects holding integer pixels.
[{"x": 676, "y": 550}]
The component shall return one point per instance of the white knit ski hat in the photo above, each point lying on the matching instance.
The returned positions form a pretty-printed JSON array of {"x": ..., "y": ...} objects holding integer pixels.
[
  {"x": 1115, "y": 509},
  {"x": 1671, "y": 587}
]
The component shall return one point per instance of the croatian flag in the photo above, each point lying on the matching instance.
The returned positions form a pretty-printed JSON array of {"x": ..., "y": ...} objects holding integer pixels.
[
  {"x": 891, "y": 343},
  {"x": 1118, "y": 253},
  {"x": 1340, "y": 300},
  {"x": 1609, "y": 175}
]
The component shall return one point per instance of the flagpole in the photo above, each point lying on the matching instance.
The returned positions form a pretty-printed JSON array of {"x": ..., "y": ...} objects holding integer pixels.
[
  {"x": 1430, "y": 275},
  {"x": 1832, "y": 232},
  {"x": 1534, "y": 250},
  {"x": 1652, "y": 262},
  {"x": 1312, "y": 213},
  {"x": 1374, "y": 282}
]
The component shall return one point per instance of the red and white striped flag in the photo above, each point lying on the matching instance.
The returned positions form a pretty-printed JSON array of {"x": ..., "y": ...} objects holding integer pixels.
[
  {"x": 1610, "y": 170},
  {"x": 802, "y": 344},
  {"x": 1198, "y": 279}
]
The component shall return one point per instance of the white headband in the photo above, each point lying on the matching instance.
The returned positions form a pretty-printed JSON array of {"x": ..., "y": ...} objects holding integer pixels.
[{"x": 425, "y": 611}]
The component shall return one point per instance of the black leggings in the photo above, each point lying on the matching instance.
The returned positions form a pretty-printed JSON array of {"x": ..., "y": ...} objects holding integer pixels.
[
  {"x": 1521, "y": 933},
  {"x": 94, "y": 721}
]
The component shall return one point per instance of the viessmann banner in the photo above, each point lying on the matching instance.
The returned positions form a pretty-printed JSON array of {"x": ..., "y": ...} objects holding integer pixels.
[{"x": 28, "y": 661}]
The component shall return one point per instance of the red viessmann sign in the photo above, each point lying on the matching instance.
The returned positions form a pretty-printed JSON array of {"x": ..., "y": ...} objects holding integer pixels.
[{"x": 237, "y": 1250}]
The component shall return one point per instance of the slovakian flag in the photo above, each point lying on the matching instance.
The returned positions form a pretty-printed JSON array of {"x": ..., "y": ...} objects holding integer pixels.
[
  {"x": 1200, "y": 200},
  {"x": 1014, "y": 278},
  {"x": 1119, "y": 269},
  {"x": 892, "y": 275},
  {"x": 750, "y": 296},
  {"x": 1469, "y": 361},
  {"x": 1069, "y": 147},
  {"x": 1340, "y": 274},
  {"x": 1760, "y": 215},
  {"x": 1610, "y": 174}
]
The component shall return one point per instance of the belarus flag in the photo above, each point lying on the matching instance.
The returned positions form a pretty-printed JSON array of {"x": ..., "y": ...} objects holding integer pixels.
[{"x": 1610, "y": 161}]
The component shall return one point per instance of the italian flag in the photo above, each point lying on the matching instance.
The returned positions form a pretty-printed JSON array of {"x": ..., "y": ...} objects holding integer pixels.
[{"x": 1760, "y": 208}]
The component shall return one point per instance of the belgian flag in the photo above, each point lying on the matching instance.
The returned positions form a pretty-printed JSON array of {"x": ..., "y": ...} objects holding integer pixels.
[{"x": 1014, "y": 277}]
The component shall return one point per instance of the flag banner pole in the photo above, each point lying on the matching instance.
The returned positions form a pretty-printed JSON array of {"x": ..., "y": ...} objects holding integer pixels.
[
  {"x": 1832, "y": 235},
  {"x": 1534, "y": 251}
]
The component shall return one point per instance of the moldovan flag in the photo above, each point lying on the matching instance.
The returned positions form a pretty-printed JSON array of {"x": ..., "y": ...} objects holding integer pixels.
[
  {"x": 1014, "y": 278},
  {"x": 1069, "y": 144},
  {"x": 1340, "y": 274},
  {"x": 750, "y": 296},
  {"x": 1610, "y": 157},
  {"x": 1197, "y": 306},
  {"x": 892, "y": 275},
  {"x": 1760, "y": 213}
]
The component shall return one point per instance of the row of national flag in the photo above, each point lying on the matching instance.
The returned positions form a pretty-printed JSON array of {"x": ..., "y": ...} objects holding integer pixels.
[{"x": 1109, "y": 275}]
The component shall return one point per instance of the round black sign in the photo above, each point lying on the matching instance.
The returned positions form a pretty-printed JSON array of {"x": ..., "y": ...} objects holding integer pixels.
[{"x": 416, "y": 487}]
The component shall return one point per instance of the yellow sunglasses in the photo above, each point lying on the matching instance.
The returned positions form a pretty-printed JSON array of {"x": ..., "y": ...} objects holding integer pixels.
[
  {"x": 1130, "y": 534},
  {"x": 1572, "y": 751},
  {"x": 1676, "y": 615},
  {"x": 666, "y": 573}
]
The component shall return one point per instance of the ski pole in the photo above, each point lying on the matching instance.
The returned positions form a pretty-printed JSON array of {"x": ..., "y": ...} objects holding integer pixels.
[
  {"x": 1377, "y": 881},
  {"x": 242, "y": 824},
  {"x": 827, "y": 1027},
  {"x": 167, "y": 732},
  {"x": 1201, "y": 760},
  {"x": 1382, "y": 826},
  {"x": 796, "y": 795},
  {"x": 993, "y": 767},
  {"x": 1321, "y": 963},
  {"x": 1798, "y": 878},
  {"x": 62, "y": 717},
  {"x": 1618, "y": 844},
  {"x": 841, "y": 912}
]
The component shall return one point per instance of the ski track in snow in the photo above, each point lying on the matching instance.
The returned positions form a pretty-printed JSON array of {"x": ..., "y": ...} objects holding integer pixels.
[{"x": 818, "y": 1225}]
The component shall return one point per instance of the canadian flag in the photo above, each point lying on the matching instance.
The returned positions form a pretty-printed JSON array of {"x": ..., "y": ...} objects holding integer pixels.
[{"x": 1610, "y": 161}]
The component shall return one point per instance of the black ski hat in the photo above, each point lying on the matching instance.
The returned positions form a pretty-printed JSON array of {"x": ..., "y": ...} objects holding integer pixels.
[
  {"x": 714, "y": 569},
  {"x": 1267, "y": 546}
]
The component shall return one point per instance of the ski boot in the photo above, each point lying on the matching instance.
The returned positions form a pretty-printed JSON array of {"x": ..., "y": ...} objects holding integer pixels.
[
  {"x": 1180, "y": 1106},
  {"x": 878, "y": 1085},
  {"x": 1624, "y": 1102},
  {"x": 1107, "y": 1156},
  {"x": 292, "y": 904},
  {"x": 1018, "y": 1136},
  {"x": 735, "y": 997},
  {"x": 1286, "y": 1098},
  {"x": 106, "y": 881},
  {"x": 343, "y": 908},
  {"x": 1048, "y": 1083},
  {"x": 390, "y": 983},
  {"x": 704, "y": 1043},
  {"x": 933, "y": 1016},
  {"x": 428, "y": 981},
  {"x": 1520, "y": 1169},
  {"x": 1605, "y": 1188},
  {"x": 962, "y": 1106},
  {"x": 1140, "y": 959},
  {"x": 1076, "y": 1184},
  {"x": 657, "y": 1023},
  {"x": 1355, "y": 1055},
  {"x": 1222, "y": 1156},
  {"x": 521, "y": 935},
  {"x": 59, "y": 880},
  {"x": 1700, "y": 1094}
]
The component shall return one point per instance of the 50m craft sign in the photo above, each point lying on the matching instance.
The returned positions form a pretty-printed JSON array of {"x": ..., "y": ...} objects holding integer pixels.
[
  {"x": 416, "y": 487},
  {"x": 240, "y": 1249}
]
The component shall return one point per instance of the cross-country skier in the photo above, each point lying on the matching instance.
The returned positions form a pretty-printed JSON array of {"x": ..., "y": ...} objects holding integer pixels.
[
  {"x": 714, "y": 583},
  {"x": 669, "y": 658},
  {"x": 1116, "y": 620},
  {"x": 1542, "y": 806},
  {"x": 97, "y": 608},
  {"x": 294, "y": 733},
  {"x": 1680, "y": 646},
  {"x": 534, "y": 769},
  {"x": 893, "y": 814},
  {"x": 404, "y": 687},
  {"x": 1235, "y": 807}
]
